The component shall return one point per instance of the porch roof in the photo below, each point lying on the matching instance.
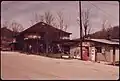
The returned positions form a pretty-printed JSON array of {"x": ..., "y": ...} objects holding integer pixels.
[{"x": 104, "y": 41}]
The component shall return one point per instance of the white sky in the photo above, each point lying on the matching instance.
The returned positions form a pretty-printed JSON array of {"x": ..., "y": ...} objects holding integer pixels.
[{"x": 22, "y": 12}]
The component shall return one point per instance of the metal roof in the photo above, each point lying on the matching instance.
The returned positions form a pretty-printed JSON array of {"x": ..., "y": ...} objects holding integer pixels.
[
  {"x": 104, "y": 41},
  {"x": 42, "y": 27},
  {"x": 115, "y": 40}
]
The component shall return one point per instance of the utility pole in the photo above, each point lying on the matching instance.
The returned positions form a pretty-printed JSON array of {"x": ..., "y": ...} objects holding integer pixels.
[{"x": 80, "y": 30}]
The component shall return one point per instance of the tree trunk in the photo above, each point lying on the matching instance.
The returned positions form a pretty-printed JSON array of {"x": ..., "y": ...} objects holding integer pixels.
[{"x": 85, "y": 31}]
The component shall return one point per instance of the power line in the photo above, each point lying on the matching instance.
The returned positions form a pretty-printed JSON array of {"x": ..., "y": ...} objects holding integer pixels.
[{"x": 101, "y": 10}]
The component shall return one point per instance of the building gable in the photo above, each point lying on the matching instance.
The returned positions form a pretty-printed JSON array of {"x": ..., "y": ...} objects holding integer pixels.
[{"x": 43, "y": 27}]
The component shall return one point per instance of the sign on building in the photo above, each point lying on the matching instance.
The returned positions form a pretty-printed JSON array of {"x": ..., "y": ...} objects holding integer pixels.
[{"x": 93, "y": 53}]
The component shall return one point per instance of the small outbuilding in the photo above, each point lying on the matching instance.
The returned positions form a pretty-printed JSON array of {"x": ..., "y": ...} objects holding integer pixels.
[{"x": 96, "y": 50}]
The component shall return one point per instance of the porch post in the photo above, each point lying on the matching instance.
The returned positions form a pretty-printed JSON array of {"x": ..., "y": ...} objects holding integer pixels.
[
  {"x": 37, "y": 46},
  {"x": 96, "y": 55},
  {"x": 114, "y": 55}
]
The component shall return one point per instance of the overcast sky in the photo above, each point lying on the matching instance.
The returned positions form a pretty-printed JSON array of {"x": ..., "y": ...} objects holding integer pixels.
[{"x": 23, "y": 12}]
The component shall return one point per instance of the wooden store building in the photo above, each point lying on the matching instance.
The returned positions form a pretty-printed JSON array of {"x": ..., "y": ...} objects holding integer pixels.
[{"x": 41, "y": 38}]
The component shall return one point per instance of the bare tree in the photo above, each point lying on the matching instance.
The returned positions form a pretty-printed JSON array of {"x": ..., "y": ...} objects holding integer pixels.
[
  {"x": 60, "y": 20},
  {"x": 6, "y": 24},
  {"x": 104, "y": 25},
  {"x": 62, "y": 25},
  {"x": 41, "y": 18},
  {"x": 89, "y": 30},
  {"x": 16, "y": 27},
  {"x": 65, "y": 27},
  {"x": 55, "y": 25},
  {"x": 105, "y": 29},
  {"x": 108, "y": 29},
  {"x": 36, "y": 18},
  {"x": 48, "y": 17},
  {"x": 32, "y": 22},
  {"x": 85, "y": 15},
  {"x": 109, "y": 32},
  {"x": 86, "y": 20}
]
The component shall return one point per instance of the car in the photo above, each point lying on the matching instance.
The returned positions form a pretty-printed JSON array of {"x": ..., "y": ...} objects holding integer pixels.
[{"x": 5, "y": 49}]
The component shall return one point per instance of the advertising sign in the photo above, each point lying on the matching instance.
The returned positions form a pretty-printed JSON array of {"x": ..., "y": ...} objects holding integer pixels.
[{"x": 93, "y": 53}]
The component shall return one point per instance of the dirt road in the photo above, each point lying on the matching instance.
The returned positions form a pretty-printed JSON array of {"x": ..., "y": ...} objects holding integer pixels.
[{"x": 20, "y": 66}]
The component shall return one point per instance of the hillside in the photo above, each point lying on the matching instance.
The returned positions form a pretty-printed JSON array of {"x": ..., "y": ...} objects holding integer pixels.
[
  {"x": 6, "y": 38},
  {"x": 6, "y": 33},
  {"x": 111, "y": 32}
]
